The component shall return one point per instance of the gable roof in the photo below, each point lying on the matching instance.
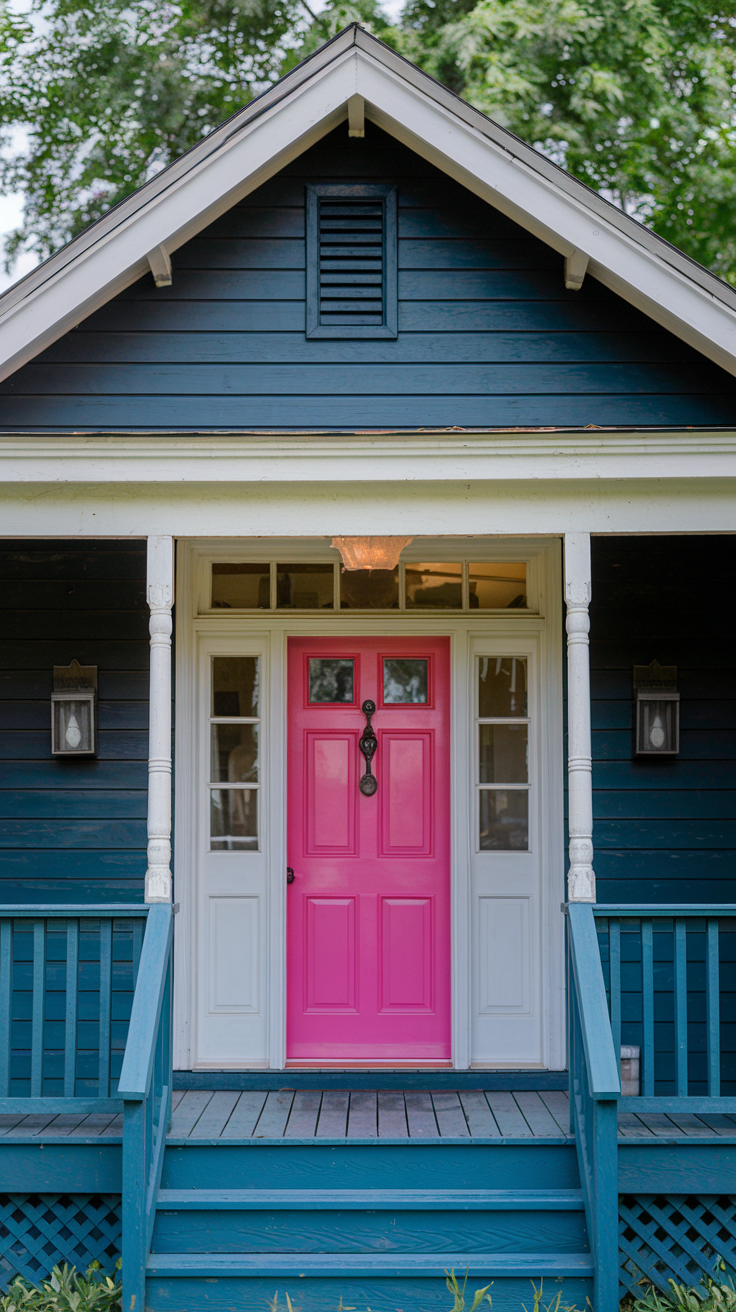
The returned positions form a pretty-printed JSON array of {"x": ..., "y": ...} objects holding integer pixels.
[{"x": 302, "y": 107}]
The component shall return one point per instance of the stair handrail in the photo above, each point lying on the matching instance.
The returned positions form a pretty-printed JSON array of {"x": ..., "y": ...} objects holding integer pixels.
[
  {"x": 145, "y": 1087},
  {"x": 595, "y": 1088}
]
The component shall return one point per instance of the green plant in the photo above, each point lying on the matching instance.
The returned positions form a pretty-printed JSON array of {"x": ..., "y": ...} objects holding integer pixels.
[
  {"x": 711, "y": 1295},
  {"x": 555, "y": 1306},
  {"x": 458, "y": 1293},
  {"x": 66, "y": 1290}
]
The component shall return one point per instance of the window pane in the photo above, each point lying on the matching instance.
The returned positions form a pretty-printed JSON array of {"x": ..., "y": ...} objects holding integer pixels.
[
  {"x": 330, "y": 680},
  {"x": 503, "y": 754},
  {"x": 241, "y": 586},
  {"x": 234, "y": 753},
  {"x": 504, "y": 821},
  {"x": 235, "y": 685},
  {"x": 305, "y": 587},
  {"x": 369, "y": 589},
  {"x": 502, "y": 686},
  {"x": 405, "y": 681},
  {"x": 234, "y": 819},
  {"x": 438, "y": 586},
  {"x": 497, "y": 587}
]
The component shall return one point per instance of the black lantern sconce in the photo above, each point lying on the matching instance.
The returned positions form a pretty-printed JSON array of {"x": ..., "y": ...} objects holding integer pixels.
[
  {"x": 656, "y": 710},
  {"x": 74, "y": 710}
]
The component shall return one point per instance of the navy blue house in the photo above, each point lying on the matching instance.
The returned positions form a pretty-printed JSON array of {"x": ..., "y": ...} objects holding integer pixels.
[{"x": 368, "y": 766}]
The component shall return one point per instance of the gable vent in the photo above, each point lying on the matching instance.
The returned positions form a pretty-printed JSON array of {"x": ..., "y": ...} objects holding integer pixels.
[{"x": 351, "y": 261}]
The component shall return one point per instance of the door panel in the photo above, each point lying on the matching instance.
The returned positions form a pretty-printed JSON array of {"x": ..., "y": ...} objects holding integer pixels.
[{"x": 368, "y": 919}]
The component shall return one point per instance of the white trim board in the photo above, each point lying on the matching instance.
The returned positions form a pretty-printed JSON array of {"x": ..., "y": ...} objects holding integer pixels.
[
  {"x": 304, "y": 106},
  {"x": 454, "y": 507},
  {"x": 231, "y": 458},
  {"x": 543, "y": 626}
]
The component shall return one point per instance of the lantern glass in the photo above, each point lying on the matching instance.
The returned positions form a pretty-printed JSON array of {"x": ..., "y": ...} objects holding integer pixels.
[
  {"x": 657, "y": 724},
  {"x": 73, "y": 725}
]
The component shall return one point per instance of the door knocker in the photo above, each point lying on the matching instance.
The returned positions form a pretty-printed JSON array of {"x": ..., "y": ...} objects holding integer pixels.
[{"x": 368, "y": 745}]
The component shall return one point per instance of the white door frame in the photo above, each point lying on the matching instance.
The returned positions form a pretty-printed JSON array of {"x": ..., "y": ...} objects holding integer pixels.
[{"x": 544, "y": 619}]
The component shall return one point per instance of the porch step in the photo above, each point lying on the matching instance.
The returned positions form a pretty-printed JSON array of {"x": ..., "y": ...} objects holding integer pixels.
[
  {"x": 370, "y": 1199},
  {"x": 240, "y": 1225},
  {"x": 209, "y": 1266}
]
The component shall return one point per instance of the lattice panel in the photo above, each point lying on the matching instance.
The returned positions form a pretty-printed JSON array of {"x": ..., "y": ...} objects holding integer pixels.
[
  {"x": 674, "y": 1236},
  {"x": 37, "y": 1231}
]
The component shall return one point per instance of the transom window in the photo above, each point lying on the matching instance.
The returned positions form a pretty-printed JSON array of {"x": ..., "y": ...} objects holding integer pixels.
[
  {"x": 460, "y": 585},
  {"x": 502, "y": 754}
]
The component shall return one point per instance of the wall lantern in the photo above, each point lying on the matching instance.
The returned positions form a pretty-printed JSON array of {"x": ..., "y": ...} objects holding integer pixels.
[
  {"x": 74, "y": 710},
  {"x": 657, "y": 706},
  {"x": 370, "y": 553}
]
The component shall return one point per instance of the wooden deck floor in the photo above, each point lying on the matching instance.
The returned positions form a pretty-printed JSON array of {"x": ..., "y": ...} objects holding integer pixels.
[{"x": 390, "y": 1114}]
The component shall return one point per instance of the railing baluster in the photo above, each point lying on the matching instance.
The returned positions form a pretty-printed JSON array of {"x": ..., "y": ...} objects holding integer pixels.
[
  {"x": 614, "y": 953},
  {"x": 681, "y": 1062},
  {"x": 105, "y": 1005},
  {"x": 6, "y": 996},
  {"x": 39, "y": 1007},
  {"x": 71, "y": 1012},
  {"x": 647, "y": 985},
  {"x": 713, "y": 1008}
]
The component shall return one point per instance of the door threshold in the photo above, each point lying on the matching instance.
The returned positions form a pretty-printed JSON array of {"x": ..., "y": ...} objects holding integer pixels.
[
  {"x": 373, "y": 1078},
  {"x": 368, "y": 1066}
]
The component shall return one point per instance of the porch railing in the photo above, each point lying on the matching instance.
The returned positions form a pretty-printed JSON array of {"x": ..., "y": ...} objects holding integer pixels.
[
  {"x": 667, "y": 971},
  {"x": 59, "y": 967},
  {"x": 656, "y": 977},
  {"x": 594, "y": 1091},
  {"x": 145, "y": 1087}
]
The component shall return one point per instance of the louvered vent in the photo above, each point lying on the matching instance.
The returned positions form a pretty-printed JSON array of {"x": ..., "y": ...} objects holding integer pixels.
[
  {"x": 351, "y": 262},
  {"x": 351, "y": 272}
]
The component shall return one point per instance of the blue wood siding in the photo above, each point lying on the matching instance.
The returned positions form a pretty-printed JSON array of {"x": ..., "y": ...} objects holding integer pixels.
[
  {"x": 73, "y": 830},
  {"x": 488, "y": 335},
  {"x": 665, "y": 831}
]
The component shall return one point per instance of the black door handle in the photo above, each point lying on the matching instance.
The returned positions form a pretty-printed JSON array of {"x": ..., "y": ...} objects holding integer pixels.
[
  {"x": 290, "y": 876},
  {"x": 368, "y": 745}
]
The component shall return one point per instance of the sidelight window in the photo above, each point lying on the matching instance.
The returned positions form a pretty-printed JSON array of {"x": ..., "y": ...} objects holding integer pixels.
[
  {"x": 502, "y": 754},
  {"x": 235, "y": 766}
]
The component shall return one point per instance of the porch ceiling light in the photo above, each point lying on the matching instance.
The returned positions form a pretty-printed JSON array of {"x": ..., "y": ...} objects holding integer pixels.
[
  {"x": 73, "y": 710},
  {"x": 370, "y": 553},
  {"x": 657, "y": 710}
]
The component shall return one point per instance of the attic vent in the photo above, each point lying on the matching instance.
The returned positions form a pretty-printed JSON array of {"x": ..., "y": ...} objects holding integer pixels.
[{"x": 351, "y": 260}]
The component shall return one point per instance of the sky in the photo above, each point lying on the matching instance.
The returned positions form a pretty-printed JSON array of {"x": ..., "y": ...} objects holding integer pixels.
[{"x": 11, "y": 206}]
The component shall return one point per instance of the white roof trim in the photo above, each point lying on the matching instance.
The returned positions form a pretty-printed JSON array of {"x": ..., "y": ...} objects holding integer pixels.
[{"x": 277, "y": 127}]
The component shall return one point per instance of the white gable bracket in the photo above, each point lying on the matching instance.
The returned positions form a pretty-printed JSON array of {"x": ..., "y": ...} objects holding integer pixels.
[
  {"x": 356, "y": 116},
  {"x": 160, "y": 262},
  {"x": 576, "y": 267}
]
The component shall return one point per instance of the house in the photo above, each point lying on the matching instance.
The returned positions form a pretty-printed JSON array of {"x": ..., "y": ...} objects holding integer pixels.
[{"x": 413, "y": 460}]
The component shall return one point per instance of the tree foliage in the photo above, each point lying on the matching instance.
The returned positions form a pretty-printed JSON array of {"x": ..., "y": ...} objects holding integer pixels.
[
  {"x": 107, "y": 92},
  {"x": 634, "y": 97}
]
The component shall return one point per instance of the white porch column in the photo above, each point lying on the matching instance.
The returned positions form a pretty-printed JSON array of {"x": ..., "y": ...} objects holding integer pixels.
[
  {"x": 581, "y": 879},
  {"x": 160, "y": 593}
]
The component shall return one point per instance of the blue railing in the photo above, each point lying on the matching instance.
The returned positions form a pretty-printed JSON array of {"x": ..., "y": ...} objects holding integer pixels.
[
  {"x": 670, "y": 977},
  {"x": 67, "y": 975},
  {"x": 594, "y": 1092},
  {"x": 67, "y": 978},
  {"x": 145, "y": 1087}
]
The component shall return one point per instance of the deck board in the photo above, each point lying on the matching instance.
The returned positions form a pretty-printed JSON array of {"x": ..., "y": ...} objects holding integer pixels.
[{"x": 206, "y": 1115}]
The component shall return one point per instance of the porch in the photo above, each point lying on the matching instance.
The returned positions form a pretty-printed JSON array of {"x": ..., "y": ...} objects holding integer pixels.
[{"x": 223, "y": 1195}]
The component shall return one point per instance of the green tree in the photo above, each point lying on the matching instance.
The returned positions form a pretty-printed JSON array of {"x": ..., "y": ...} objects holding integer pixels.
[
  {"x": 107, "y": 93},
  {"x": 634, "y": 97}
]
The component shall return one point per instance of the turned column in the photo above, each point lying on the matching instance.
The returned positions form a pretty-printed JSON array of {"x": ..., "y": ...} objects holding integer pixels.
[
  {"x": 160, "y": 593},
  {"x": 580, "y": 879}
]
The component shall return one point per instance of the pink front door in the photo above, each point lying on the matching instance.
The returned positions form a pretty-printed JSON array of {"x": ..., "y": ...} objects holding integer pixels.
[{"x": 368, "y": 954}]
